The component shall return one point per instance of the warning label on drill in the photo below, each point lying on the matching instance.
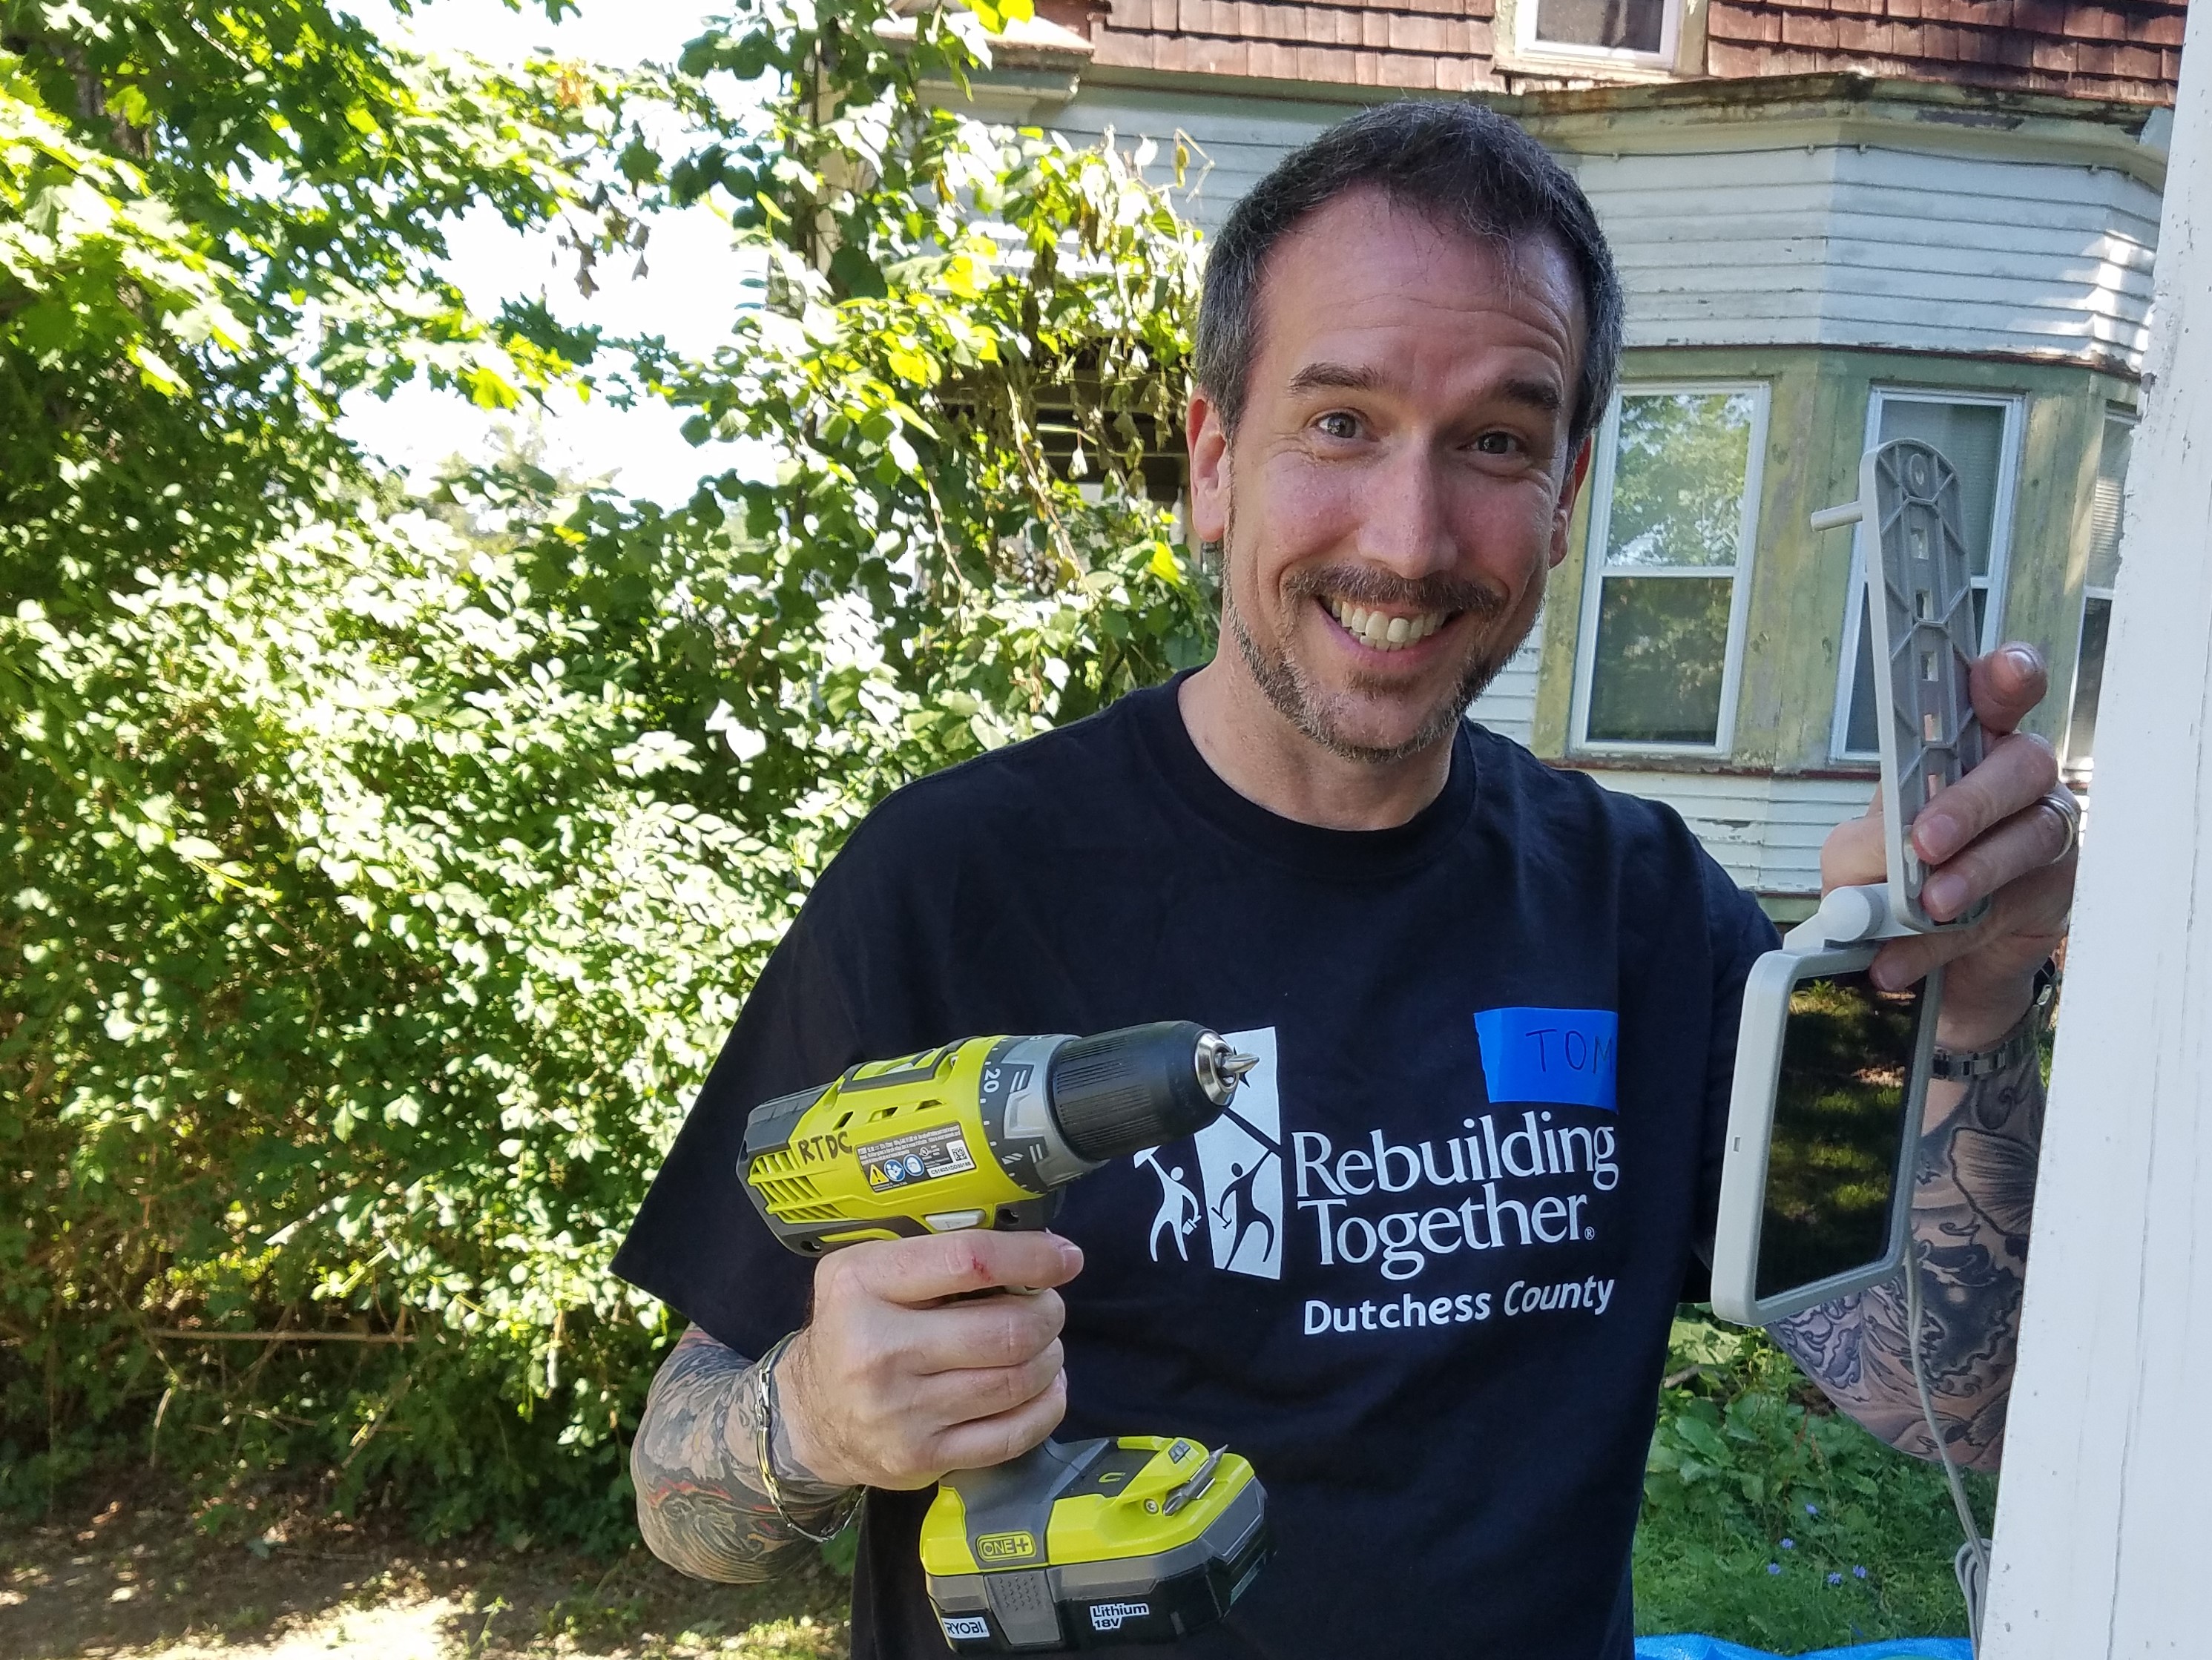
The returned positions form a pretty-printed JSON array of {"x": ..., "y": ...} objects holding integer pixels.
[{"x": 914, "y": 1157}]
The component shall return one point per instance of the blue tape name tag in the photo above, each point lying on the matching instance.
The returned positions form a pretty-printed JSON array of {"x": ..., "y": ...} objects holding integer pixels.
[{"x": 1561, "y": 1055}]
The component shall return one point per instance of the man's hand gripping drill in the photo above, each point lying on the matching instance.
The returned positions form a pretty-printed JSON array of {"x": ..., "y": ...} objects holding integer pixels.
[
  {"x": 924, "y": 1184},
  {"x": 904, "y": 1372}
]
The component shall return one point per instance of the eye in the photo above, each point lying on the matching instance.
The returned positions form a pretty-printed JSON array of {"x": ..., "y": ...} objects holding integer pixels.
[
  {"x": 1497, "y": 443},
  {"x": 1338, "y": 424}
]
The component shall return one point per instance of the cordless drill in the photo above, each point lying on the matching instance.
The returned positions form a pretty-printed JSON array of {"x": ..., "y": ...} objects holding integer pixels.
[{"x": 1084, "y": 1544}]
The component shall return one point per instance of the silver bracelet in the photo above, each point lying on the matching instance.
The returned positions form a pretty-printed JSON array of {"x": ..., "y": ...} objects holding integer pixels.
[
  {"x": 764, "y": 1456},
  {"x": 2008, "y": 1051}
]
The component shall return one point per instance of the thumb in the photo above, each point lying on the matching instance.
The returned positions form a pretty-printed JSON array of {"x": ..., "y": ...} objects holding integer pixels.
[{"x": 2007, "y": 684}]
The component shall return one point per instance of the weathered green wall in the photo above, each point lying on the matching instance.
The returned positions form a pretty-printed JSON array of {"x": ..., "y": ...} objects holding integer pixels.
[{"x": 1816, "y": 427}]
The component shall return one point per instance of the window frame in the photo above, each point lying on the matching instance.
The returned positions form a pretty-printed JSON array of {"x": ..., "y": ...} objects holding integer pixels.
[
  {"x": 2077, "y": 772},
  {"x": 1595, "y": 570},
  {"x": 1528, "y": 44},
  {"x": 2014, "y": 406}
]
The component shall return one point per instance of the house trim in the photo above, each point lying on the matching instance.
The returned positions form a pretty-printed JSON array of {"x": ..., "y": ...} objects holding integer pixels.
[{"x": 1767, "y": 113}]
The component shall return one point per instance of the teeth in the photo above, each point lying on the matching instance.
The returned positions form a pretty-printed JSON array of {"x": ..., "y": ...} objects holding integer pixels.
[{"x": 1378, "y": 629}]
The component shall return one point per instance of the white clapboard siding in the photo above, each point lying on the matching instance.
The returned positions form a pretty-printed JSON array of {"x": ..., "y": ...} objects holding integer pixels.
[
  {"x": 1508, "y": 704},
  {"x": 1839, "y": 245},
  {"x": 1835, "y": 244},
  {"x": 1237, "y": 139},
  {"x": 1766, "y": 829},
  {"x": 2101, "y": 1525}
]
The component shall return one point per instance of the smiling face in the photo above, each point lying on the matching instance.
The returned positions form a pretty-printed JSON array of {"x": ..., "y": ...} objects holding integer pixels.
[{"x": 1401, "y": 476}]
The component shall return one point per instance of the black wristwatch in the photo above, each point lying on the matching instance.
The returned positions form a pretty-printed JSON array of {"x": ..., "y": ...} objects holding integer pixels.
[{"x": 2011, "y": 1049}]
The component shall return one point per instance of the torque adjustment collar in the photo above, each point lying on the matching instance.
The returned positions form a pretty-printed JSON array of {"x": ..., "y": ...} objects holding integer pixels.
[{"x": 1122, "y": 1092}]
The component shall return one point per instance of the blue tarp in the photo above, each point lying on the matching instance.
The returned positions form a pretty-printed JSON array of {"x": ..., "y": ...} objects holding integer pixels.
[{"x": 1711, "y": 1647}]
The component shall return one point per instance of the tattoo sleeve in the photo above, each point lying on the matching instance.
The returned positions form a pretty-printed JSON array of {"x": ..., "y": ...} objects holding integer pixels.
[
  {"x": 1971, "y": 1207},
  {"x": 700, "y": 1502}
]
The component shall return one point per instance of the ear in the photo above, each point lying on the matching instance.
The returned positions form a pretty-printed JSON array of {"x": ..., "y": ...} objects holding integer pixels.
[
  {"x": 1209, "y": 469},
  {"x": 1562, "y": 513}
]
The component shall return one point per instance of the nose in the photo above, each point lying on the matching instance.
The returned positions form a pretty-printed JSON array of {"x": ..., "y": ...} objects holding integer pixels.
[{"x": 1403, "y": 526}]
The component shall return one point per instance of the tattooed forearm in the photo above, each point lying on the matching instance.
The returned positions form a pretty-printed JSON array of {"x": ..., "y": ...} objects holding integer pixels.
[
  {"x": 1970, "y": 1209},
  {"x": 700, "y": 1503}
]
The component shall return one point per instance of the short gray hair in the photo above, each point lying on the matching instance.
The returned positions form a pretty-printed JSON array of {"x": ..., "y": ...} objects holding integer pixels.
[{"x": 1466, "y": 168}]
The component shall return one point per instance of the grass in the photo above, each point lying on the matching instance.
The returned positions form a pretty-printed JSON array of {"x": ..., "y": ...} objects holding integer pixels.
[{"x": 1771, "y": 1520}]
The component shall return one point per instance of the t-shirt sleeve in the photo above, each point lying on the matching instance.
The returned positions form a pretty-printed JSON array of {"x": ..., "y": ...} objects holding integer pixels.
[
  {"x": 833, "y": 993},
  {"x": 1740, "y": 933}
]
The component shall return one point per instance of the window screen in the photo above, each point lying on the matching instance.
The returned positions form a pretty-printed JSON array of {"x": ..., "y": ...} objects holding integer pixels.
[{"x": 1615, "y": 25}]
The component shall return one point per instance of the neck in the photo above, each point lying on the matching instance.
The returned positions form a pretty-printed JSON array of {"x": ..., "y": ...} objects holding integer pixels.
[{"x": 1264, "y": 759}]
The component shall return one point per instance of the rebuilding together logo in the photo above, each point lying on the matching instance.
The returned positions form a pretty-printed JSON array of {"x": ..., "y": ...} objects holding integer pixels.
[{"x": 1504, "y": 1181}]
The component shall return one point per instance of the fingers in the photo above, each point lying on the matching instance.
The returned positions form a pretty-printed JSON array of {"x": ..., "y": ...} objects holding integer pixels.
[
  {"x": 2006, "y": 685},
  {"x": 1987, "y": 962},
  {"x": 1852, "y": 855},
  {"x": 999, "y": 1330},
  {"x": 920, "y": 1272},
  {"x": 983, "y": 1441},
  {"x": 2016, "y": 773},
  {"x": 2038, "y": 836},
  {"x": 957, "y": 1398}
]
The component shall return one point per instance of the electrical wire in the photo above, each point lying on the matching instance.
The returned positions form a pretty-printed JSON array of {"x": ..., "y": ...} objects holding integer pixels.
[{"x": 1972, "y": 1564}]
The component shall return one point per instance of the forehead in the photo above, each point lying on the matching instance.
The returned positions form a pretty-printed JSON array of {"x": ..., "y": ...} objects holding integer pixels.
[{"x": 1364, "y": 267}]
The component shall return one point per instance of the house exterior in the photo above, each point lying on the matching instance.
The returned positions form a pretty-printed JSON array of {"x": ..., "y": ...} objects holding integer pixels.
[{"x": 1838, "y": 222}]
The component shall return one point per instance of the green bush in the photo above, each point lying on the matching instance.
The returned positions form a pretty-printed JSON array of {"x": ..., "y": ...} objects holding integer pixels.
[
  {"x": 1771, "y": 1520},
  {"x": 381, "y": 876}
]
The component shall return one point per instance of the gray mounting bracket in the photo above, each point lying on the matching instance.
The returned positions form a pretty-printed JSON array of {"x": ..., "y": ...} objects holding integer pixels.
[{"x": 1920, "y": 611}]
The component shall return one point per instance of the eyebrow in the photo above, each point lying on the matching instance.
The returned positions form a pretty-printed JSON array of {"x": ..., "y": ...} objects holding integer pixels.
[
  {"x": 1339, "y": 375},
  {"x": 1544, "y": 395}
]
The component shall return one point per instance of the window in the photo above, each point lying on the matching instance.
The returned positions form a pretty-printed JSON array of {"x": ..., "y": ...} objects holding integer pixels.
[
  {"x": 1633, "y": 29},
  {"x": 2103, "y": 573},
  {"x": 1979, "y": 436},
  {"x": 1673, "y": 510}
]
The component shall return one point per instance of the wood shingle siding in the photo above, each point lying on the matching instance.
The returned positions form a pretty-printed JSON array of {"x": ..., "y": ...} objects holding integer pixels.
[
  {"x": 2130, "y": 51},
  {"x": 1430, "y": 46},
  {"x": 2124, "y": 50}
]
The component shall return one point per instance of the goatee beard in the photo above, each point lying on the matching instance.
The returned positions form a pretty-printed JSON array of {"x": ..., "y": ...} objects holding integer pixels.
[{"x": 1292, "y": 691}]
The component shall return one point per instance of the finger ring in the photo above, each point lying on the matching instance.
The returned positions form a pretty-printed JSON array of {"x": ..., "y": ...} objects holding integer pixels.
[{"x": 2062, "y": 802}]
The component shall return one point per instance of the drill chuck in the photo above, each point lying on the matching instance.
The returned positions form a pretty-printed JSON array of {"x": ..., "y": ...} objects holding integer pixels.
[{"x": 1122, "y": 1092}]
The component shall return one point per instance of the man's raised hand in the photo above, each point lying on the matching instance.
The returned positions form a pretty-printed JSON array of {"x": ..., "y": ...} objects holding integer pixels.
[
  {"x": 904, "y": 1374},
  {"x": 2006, "y": 830}
]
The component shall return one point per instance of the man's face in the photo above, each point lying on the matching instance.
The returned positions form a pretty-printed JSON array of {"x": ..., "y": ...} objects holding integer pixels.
[{"x": 1401, "y": 478}]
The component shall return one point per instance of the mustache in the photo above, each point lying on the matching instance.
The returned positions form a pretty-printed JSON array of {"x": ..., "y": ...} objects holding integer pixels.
[{"x": 1369, "y": 587}]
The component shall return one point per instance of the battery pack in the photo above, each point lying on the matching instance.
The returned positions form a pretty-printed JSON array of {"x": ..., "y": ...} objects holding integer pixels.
[{"x": 1091, "y": 1544}]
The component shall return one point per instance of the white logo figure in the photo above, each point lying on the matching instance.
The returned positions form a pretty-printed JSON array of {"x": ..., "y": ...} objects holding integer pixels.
[
  {"x": 1240, "y": 1158},
  {"x": 1178, "y": 1207}
]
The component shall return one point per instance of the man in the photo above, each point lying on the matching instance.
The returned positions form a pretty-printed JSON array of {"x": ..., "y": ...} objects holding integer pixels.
[{"x": 1442, "y": 1362}]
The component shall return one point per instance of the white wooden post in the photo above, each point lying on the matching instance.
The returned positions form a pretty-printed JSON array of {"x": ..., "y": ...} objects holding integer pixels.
[{"x": 2103, "y": 1542}]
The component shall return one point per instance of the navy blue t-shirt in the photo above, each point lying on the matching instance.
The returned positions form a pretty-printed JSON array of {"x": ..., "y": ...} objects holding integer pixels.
[{"x": 1422, "y": 1274}]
